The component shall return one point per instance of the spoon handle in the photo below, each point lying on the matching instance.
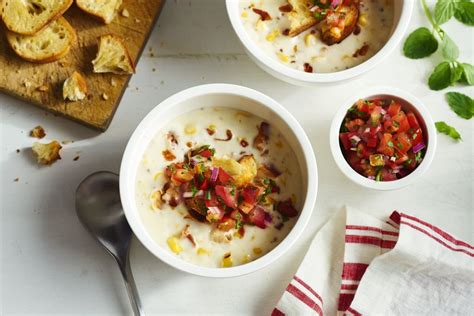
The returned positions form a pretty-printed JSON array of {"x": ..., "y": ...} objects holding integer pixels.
[{"x": 131, "y": 288}]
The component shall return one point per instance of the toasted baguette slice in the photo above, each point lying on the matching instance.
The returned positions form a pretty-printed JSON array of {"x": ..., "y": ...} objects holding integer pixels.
[
  {"x": 301, "y": 18},
  {"x": 113, "y": 56},
  {"x": 103, "y": 9},
  {"x": 335, "y": 34},
  {"x": 28, "y": 17},
  {"x": 75, "y": 87},
  {"x": 45, "y": 46}
]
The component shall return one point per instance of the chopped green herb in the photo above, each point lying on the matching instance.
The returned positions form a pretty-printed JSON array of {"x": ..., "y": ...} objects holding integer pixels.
[
  {"x": 390, "y": 144},
  {"x": 444, "y": 128}
]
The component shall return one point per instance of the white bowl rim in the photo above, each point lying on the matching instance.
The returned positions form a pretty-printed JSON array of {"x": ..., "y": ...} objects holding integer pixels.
[
  {"x": 360, "y": 179},
  {"x": 257, "y": 53},
  {"x": 127, "y": 171}
]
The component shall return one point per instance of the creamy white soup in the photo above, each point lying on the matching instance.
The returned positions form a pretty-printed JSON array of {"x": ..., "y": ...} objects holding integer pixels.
[
  {"x": 218, "y": 187},
  {"x": 307, "y": 51}
]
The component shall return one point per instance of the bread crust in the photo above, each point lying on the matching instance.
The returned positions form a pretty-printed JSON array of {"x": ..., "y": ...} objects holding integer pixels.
[
  {"x": 39, "y": 27},
  {"x": 11, "y": 38},
  {"x": 120, "y": 40},
  {"x": 96, "y": 15}
]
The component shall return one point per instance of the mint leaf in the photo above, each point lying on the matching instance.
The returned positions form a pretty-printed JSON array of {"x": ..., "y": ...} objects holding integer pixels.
[
  {"x": 464, "y": 12},
  {"x": 468, "y": 74},
  {"x": 456, "y": 72},
  {"x": 461, "y": 104},
  {"x": 444, "y": 10},
  {"x": 420, "y": 43},
  {"x": 440, "y": 78},
  {"x": 449, "y": 49},
  {"x": 444, "y": 128}
]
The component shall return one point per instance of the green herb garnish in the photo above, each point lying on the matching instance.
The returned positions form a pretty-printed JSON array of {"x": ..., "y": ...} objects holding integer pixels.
[
  {"x": 461, "y": 104},
  {"x": 444, "y": 128}
]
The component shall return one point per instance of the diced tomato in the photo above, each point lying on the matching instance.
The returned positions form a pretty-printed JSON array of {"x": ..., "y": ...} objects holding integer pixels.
[
  {"x": 204, "y": 185},
  {"x": 354, "y": 125},
  {"x": 206, "y": 153},
  {"x": 386, "y": 145},
  {"x": 223, "y": 176},
  {"x": 250, "y": 194},
  {"x": 402, "y": 142},
  {"x": 416, "y": 136},
  {"x": 228, "y": 195},
  {"x": 387, "y": 175},
  {"x": 214, "y": 214},
  {"x": 402, "y": 121},
  {"x": 346, "y": 139},
  {"x": 372, "y": 142},
  {"x": 413, "y": 121},
  {"x": 286, "y": 208},
  {"x": 354, "y": 160},
  {"x": 390, "y": 126},
  {"x": 212, "y": 201},
  {"x": 257, "y": 216},
  {"x": 393, "y": 109},
  {"x": 375, "y": 116},
  {"x": 411, "y": 163}
]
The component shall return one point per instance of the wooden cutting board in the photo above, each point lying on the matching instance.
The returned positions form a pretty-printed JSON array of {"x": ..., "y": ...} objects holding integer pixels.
[{"x": 41, "y": 84}]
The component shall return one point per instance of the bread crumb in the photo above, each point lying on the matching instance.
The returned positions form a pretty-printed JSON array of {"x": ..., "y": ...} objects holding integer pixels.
[
  {"x": 137, "y": 20},
  {"x": 37, "y": 132},
  {"x": 153, "y": 69},
  {"x": 125, "y": 13},
  {"x": 76, "y": 158},
  {"x": 105, "y": 96},
  {"x": 47, "y": 154},
  {"x": 26, "y": 83},
  {"x": 113, "y": 83},
  {"x": 17, "y": 151},
  {"x": 16, "y": 179},
  {"x": 42, "y": 88},
  {"x": 65, "y": 142}
]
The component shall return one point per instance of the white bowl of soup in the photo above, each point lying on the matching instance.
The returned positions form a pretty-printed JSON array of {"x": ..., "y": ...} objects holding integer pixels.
[
  {"x": 218, "y": 180},
  {"x": 287, "y": 46}
]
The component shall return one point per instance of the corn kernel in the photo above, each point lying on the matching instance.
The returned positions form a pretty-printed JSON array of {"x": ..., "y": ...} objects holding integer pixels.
[
  {"x": 273, "y": 35},
  {"x": 202, "y": 251},
  {"x": 257, "y": 250},
  {"x": 212, "y": 127},
  {"x": 261, "y": 25},
  {"x": 157, "y": 175},
  {"x": 246, "y": 258},
  {"x": 173, "y": 243},
  {"x": 227, "y": 261},
  {"x": 156, "y": 201},
  {"x": 245, "y": 14},
  {"x": 363, "y": 19},
  {"x": 309, "y": 39},
  {"x": 190, "y": 129},
  {"x": 283, "y": 57}
]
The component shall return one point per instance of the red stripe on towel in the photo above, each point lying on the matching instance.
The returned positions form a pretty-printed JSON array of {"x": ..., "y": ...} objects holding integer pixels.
[
  {"x": 369, "y": 240},
  {"x": 349, "y": 286},
  {"x": 345, "y": 300},
  {"x": 437, "y": 239},
  {"x": 306, "y": 286},
  {"x": 304, "y": 298},
  {"x": 395, "y": 216},
  {"x": 353, "y": 271},
  {"x": 369, "y": 228},
  {"x": 277, "y": 312},
  {"x": 441, "y": 232}
]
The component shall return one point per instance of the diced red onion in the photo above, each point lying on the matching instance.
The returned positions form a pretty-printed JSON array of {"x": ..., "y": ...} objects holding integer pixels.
[
  {"x": 371, "y": 177},
  {"x": 187, "y": 195},
  {"x": 268, "y": 219},
  {"x": 383, "y": 112},
  {"x": 355, "y": 138},
  {"x": 214, "y": 210},
  {"x": 335, "y": 3},
  {"x": 418, "y": 147},
  {"x": 214, "y": 174}
]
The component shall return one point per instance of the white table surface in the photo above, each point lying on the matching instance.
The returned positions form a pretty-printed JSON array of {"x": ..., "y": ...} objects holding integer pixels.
[{"x": 50, "y": 265}]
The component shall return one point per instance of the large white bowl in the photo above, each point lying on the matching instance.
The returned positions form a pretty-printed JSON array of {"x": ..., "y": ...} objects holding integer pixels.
[
  {"x": 408, "y": 101},
  {"x": 402, "y": 14},
  {"x": 213, "y": 95}
]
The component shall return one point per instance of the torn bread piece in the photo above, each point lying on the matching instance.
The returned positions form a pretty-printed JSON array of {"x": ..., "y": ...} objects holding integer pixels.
[
  {"x": 38, "y": 132},
  {"x": 113, "y": 56},
  {"x": 75, "y": 87},
  {"x": 301, "y": 17},
  {"x": 106, "y": 10},
  {"x": 46, "y": 154},
  {"x": 48, "y": 45},
  {"x": 28, "y": 17}
]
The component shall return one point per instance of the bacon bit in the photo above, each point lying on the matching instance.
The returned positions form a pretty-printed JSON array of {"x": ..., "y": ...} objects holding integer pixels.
[
  {"x": 185, "y": 234},
  {"x": 189, "y": 144},
  {"x": 285, "y": 8},
  {"x": 357, "y": 29},
  {"x": 244, "y": 143},
  {"x": 260, "y": 141},
  {"x": 168, "y": 155},
  {"x": 263, "y": 14},
  {"x": 308, "y": 67},
  {"x": 210, "y": 131},
  {"x": 172, "y": 138},
  {"x": 269, "y": 170},
  {"x": 361, "y": 51},
  {"x": 264, "y": 153},
  {"x": 286, "y": 32},
  {"x": 229, "y": 136}
]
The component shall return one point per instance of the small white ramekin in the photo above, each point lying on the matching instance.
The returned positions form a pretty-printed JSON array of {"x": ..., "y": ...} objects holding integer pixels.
[
  {"x": 221, "y": 95},
  {"x": 403, "y": 11},
  {"x": 408, "y": 101}
]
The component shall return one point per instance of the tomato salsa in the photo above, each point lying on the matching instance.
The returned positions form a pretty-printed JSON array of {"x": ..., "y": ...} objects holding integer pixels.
[{"x": 381, "y": 140}]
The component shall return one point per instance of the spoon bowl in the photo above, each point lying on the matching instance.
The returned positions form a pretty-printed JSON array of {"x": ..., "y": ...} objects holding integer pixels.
[{"x": 100, "y": 211}]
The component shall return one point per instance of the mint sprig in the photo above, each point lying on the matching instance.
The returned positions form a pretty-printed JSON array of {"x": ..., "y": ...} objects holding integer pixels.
[{"x": 444, "y": 128}]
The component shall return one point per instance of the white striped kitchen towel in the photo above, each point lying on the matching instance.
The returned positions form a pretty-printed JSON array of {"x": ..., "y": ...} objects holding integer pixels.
[{"x": 360, "y": 265}]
